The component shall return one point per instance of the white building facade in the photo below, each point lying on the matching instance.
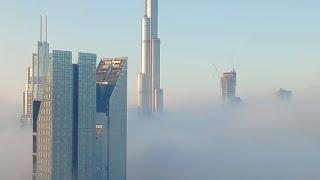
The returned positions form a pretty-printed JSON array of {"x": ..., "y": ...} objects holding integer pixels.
[{"x": 150, "y": 94}]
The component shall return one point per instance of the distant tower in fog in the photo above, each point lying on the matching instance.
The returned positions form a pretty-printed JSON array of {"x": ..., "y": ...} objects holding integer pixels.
[
  {"x": 150, "y": 94},
  {"x": 228, "y": 87},
  {"x": 26, "y": 116},
  {"x": 283, "y": 94}
]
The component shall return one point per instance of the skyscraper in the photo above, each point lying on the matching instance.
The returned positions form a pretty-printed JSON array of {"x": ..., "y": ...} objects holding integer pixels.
[
  {"x": 283, "y": 95},
  {"x": 55, "y": 121},
  {"x": 65, "y": 118},
  {"x": 150, "y": 94},
  {"x": 84, "y": 98},
  {"x": 37, "y": 73},
  {"x": 79, "y": 116},
  {"x": 40, "y": 62},
  {"x": 26, "y": 116},
  {"x": 112, "y": 118},
  {"x": 228, "y": 87}
]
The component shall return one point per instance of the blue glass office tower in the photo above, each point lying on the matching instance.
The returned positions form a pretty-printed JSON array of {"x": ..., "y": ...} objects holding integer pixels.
[
  {"x": 80, "y": 120},
  {"x": 112, "y": 119},
  {"x": 86, "y": 116},
  {"x": 55, "y": 121},
  {"x": 64, "y": 146}
]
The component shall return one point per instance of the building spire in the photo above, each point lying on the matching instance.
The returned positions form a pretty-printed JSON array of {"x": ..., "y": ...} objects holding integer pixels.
[
  {"x": 43, "y": 28},
  {"x": 40, "y": 28},
  {"x": 46, "y": 28},
  {"x": 146, "y": 7},
  {"x": 150, "y": 94}
]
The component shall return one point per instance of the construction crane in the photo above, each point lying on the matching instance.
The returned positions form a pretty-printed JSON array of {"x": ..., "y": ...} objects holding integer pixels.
[{"x": 216, "y": 70}]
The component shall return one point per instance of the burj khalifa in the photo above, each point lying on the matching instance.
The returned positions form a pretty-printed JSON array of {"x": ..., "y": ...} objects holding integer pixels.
[{"x": 150, "y": 94}]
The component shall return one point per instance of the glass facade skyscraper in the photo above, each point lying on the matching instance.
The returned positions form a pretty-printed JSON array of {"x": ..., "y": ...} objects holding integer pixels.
[
  {"x": 228, "y": 88},
  {"x": 80, "y": 124},
  {"x": 86, "y": 116},
  {"x": 79, "y": 115},
  {"x": 55, "y": 122},
  {"x": 77, "y": 133},
  {"x": 65, "y": 143},
  {"x": 112, "y": 118}
]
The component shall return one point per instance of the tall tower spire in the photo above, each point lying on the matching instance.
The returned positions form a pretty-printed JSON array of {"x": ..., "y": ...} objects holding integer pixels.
[
  {"x": 40, "y": 28},
  {"x": 43, "y": 28},
  {"x": 46, "y": 28},
  {"x": 152, "y": 13},
  {"x": 150, "y": 94}
]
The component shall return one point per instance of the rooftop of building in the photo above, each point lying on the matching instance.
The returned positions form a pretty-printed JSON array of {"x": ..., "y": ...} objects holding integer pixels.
[{"x": 109, "y": 69}]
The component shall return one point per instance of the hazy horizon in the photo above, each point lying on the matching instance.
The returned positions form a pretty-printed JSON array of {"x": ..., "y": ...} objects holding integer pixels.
[
  {"x": 262, "y": 140},
  {"x": 271, "y": 44}
]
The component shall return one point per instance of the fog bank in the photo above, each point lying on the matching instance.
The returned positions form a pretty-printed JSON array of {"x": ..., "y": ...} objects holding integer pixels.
[
  {"x": 260, "y": 140},
  {"x": 16, "y": 145}
]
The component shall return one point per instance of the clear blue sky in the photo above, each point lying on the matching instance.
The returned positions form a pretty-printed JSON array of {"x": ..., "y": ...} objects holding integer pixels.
[{"x": 273, "y": 43}]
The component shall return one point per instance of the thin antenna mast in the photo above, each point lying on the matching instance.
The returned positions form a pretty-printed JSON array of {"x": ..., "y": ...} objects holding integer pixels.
[
  {"x": 40, "y": 28},
  {"x": 233, "y": 63},
  {"x": 46, "y": 28}
]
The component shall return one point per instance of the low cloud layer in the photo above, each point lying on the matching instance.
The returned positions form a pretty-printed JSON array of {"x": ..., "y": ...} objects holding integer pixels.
[
  {"x": 16, "y": 145},
  {"x": 262, "y": 141},
  {"x": 258, "y": 141}
]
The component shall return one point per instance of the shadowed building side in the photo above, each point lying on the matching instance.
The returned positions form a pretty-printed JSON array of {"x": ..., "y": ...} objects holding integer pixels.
[
  {"x": 86, "y": 116},
  {"x": 112, "y": 118}
]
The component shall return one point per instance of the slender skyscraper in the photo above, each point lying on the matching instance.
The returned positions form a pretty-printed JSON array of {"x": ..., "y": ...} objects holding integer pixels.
[
  {"x": 112, "y": 119},
  {"x": 26, "y": 116},
  {"x": 150, "y": 94},
  {"x": 37, "y": 73},
  {"x": 55, "y": 122},
  {"x": 228, "y": 88},
  {"x": 41, "y": 63},
  {"x": 65, "y": 120},
  {"x": 84, "y": 98}
]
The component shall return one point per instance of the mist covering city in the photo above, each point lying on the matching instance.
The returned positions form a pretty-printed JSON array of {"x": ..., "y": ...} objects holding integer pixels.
[
  {"x": 264, "y": 140},
  {"x": 241, "y": 111}
]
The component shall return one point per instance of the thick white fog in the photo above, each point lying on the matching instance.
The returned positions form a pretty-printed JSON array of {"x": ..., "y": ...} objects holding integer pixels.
[
  {"x": 261, "y": 140},
  {"x": 16, "y": 145}
]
